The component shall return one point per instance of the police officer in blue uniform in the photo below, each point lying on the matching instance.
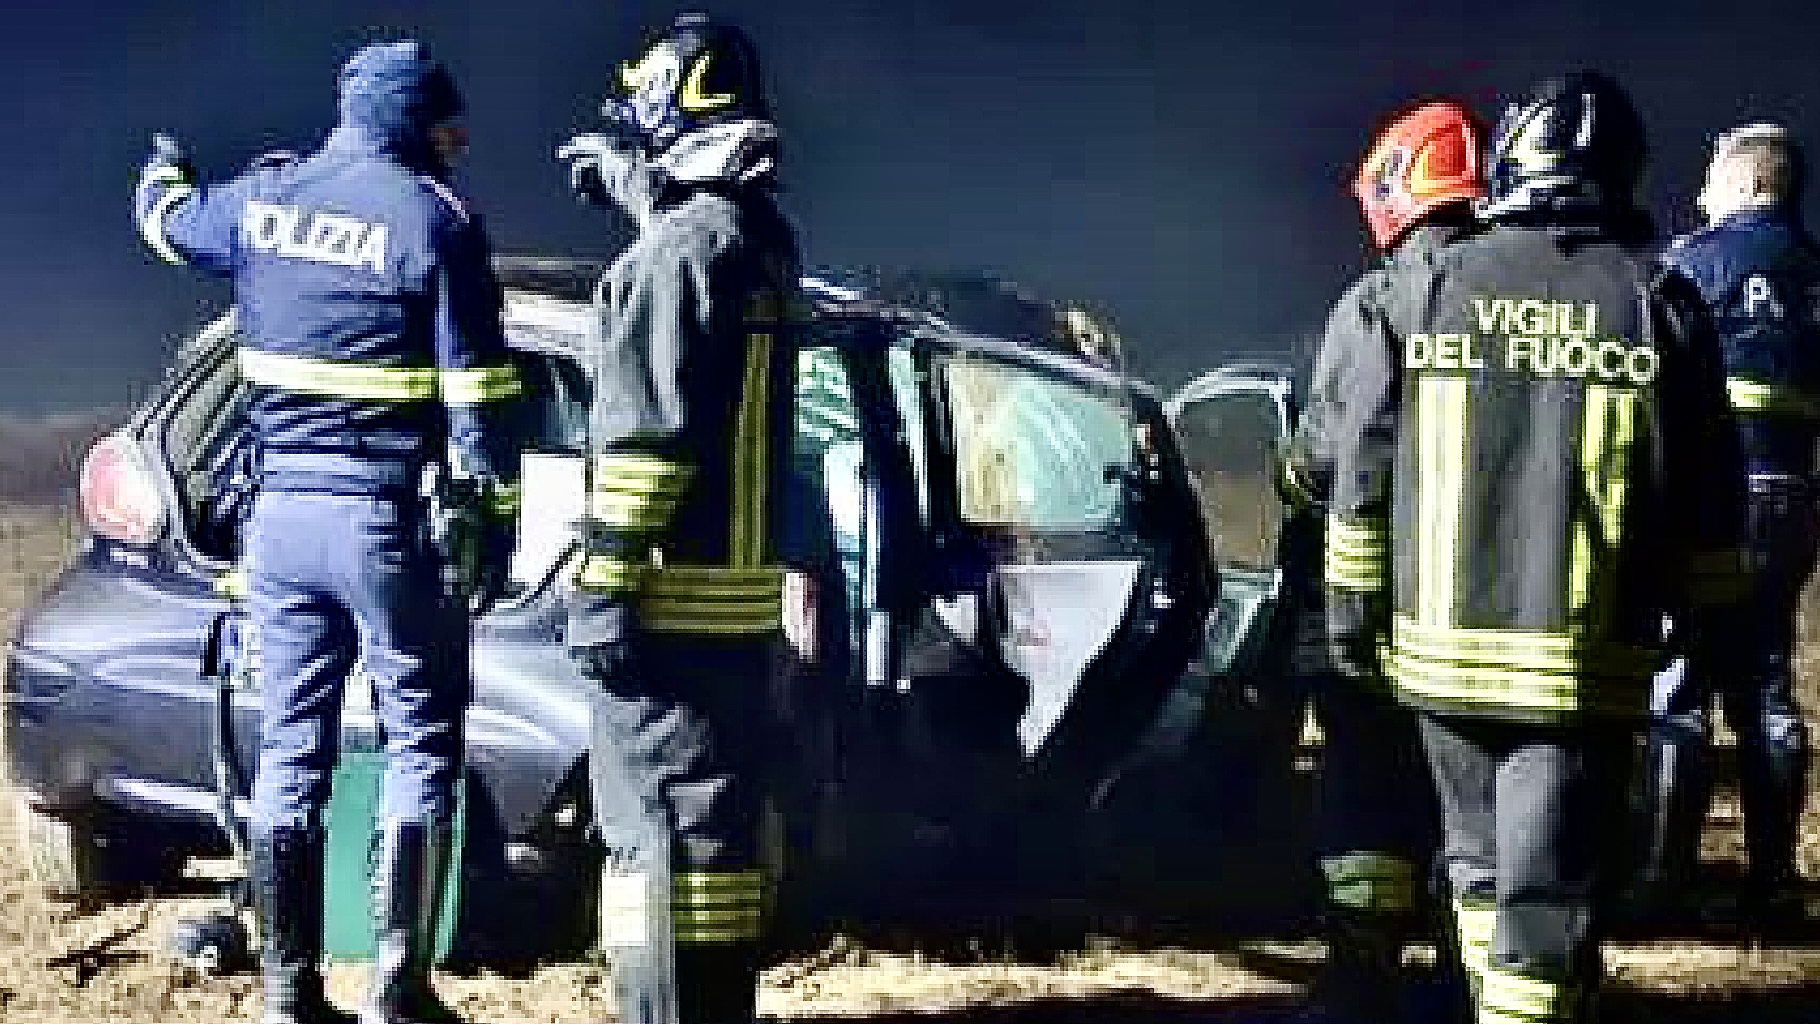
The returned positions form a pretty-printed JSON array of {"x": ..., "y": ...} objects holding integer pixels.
[
  {"x": 1759, "y": 271},
  {"x": 372, "y": 342}
]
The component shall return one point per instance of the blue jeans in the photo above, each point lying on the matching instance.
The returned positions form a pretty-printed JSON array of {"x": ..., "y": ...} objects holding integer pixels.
[{"x": 335, "y": 578}]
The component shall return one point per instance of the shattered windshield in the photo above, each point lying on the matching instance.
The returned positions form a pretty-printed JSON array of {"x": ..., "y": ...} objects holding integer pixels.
[{"x": 1037, "y": 452}]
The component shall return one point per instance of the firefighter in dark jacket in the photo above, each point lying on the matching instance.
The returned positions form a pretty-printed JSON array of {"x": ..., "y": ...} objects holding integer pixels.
[
  {"x": 1534, "y": 466},
  {"x": 679, "y": 597},
  {"x": 1759, "y": 271},
  {"x": 374, "y": 351},
  {"x": 1415, "y": 190}
]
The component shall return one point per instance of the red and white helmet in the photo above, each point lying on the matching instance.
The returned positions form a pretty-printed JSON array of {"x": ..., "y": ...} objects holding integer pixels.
[{"x": 1426, "y": 158}]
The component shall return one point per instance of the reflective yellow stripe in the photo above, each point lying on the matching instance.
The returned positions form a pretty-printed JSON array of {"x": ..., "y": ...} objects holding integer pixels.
[
  {"x": 719, "y": 906},
  {"x": 1523, "y": 690},
  {"x": 1771, "y": 399},
  {"x": 750, "y": 457},
  {"x": 1371, "y": 882},
  {"x": 1522, "y": 649},
  {"x": 359, "y": 381},
  {"x": 631, "y": 511},
  {"x": 1607, "y": 432},
  {"x": 503, "y": 501},
  {"x": 638, "y": 470},
  {"x": 479, "y": 384},
  {"x": 1441, "y": 486},
  {"x": 635, "y": 491},
  {"x": 1474, "y": 924},
  {"x": 713, "y": 599},
  {"x": 1356, "y": 553},
  {"x": 151, "y": 227},
  {"x": 232, "y": 584},
  {"x": 608, "y": 574},
  {"x": 1506, "y": 997}
]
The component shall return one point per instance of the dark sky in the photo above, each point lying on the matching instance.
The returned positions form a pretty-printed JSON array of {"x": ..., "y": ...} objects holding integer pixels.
[{"x": 1181, "y": 163}]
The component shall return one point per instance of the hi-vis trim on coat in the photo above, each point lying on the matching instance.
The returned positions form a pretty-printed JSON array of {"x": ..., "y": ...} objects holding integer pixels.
[
  {"x": 751, "y": 456},
  {"x": 1608, "y": 428},
  {"x": 1356, "y": 551},
  {"x": 477, "y": 384},
  {"x": 1373, "y": 883},
  {"x": 719, "y": 906},
  {"x": 1506, "y": 997},
  {"x": 609, "y": 574},
  {"x": 1771, "y": 399},
  {"x": 712, "y": 599},
  {"x": 151, "y": 226},
  {"x": 1441, "y": 488},
  {"x": 370, "y": 382},
  {"x": 635, "y": 492},
  {"x": 1475, "y": 921},
  {"x": 339, "y": 379}
]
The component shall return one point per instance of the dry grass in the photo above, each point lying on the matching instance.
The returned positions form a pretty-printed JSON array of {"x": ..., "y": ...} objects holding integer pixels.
[{"x": 105, "y": 962}]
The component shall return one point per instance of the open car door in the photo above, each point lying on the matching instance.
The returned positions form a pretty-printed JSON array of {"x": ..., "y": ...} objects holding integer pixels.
[{"x": 1231, "y": 425}]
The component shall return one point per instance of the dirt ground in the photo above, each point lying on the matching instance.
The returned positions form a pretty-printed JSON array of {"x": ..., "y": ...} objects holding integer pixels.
[{"x": 105, "y": 962}]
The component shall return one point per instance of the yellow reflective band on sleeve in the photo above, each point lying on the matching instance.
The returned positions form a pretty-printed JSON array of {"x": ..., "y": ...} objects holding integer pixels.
[
  {"x": 151, "y": 227},
  {"x": 337, "y": 379},
  {"x": 1506, "y": 997},
  {"x": 712, "y": 599},
  {"x": 1375, "y": 883},
  {"x": 478, "y": 384},
  {"x": 1607, "y": 429},
  {"x": 1771, "y": 399},
  {"x": 1440, "y": 490},
  {"x": 719, "y": 906},
  {"x": 751, "y": 457},
  {"x": 1474, "y": 923},
  {"x": 502, "y": 501},
  {"x": 607, "y": 574},
  {"x": 635, "y": 491},
  {"x": 1356, "y": 553},
  {"x": 640, "y": 512}
]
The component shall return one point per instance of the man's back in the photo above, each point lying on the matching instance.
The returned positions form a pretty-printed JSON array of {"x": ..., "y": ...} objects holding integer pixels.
[
  {"x": 1759, "y": 272},
  {"x": 1544, "y": 384}
]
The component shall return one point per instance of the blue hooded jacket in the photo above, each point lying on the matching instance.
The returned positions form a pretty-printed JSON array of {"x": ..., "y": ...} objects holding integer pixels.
[
  {"x": 369, "y": 313},
  {"x": 1759, "y": 272}
]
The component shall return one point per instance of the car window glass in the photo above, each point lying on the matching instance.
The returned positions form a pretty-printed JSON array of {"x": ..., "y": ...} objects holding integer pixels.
[
  {"x": 1230, "y": 444},
  {"x": 828, "y": 455},
  {"x": 905, "y": 390},
  {"x": 1036, "y": 452}
]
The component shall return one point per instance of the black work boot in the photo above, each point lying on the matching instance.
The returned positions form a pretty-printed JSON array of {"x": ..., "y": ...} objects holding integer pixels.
[
  {"x": 287, "y": 891},
  {"x": 408, "y": 891},
  {"x": 717, "y": 983},
  {"x": 1361, "y": 980}
]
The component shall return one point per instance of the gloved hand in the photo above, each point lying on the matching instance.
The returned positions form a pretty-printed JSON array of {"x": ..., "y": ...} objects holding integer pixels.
[
  {"x": 609, "y": 170},
  {"x": 599, "y": 633},
  {"x": 168, "y": 152}
]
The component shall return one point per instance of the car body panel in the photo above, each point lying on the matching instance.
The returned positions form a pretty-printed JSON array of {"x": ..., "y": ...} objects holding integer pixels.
[{"x": 973, "y": 669}]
